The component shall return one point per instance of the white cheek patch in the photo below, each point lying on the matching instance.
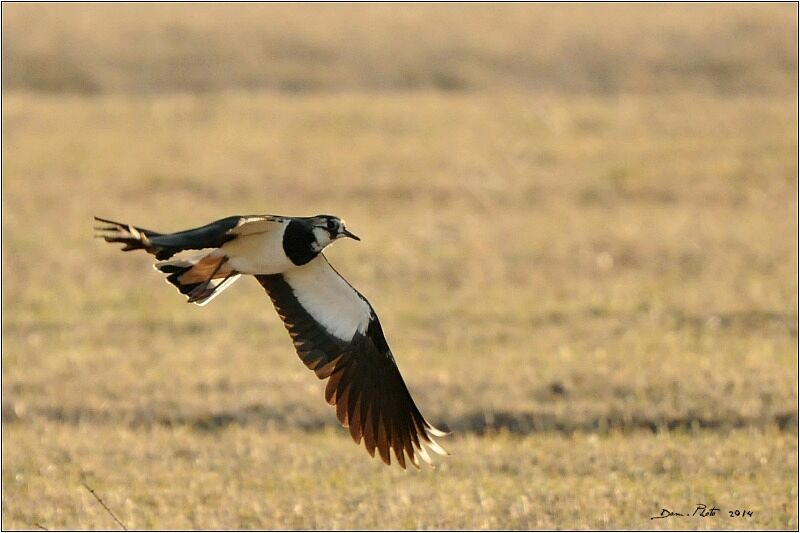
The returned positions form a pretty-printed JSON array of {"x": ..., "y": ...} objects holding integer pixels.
[
  {"x": 322, "y": 238},
  {"x": 329, "y": 299}
]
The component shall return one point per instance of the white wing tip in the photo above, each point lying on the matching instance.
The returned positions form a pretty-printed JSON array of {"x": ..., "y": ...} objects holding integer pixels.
[
  {"x": 434, "y": 446},
  {"x": 436, "y": 432}
]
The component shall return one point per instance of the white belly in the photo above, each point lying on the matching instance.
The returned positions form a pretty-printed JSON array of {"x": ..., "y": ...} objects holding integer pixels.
[{"x": 259, "y": 253}]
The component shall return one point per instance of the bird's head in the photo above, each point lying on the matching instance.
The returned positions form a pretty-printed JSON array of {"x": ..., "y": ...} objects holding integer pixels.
[{"x": 328, "y": 228}]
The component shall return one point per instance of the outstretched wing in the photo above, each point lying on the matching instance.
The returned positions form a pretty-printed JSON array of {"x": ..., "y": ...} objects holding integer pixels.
[
  {"x": 249, "y": 225},
  {"x": 165, "y": 245},
  {"x": 337, "y": 335}
]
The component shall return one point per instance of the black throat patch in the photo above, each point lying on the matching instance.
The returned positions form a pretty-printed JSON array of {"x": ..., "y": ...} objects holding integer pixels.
[{"x": 297, "y": 240}]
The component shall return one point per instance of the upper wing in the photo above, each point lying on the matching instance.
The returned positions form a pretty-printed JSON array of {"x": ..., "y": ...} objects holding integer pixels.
[
  {"x": 165, "y": 245},
  {"x": 337, "y": 334},
  {"x": 258, "y": 224}
]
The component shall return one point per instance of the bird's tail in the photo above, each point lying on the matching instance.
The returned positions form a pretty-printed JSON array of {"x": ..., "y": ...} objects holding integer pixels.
[{"x": 201, "y": 277}]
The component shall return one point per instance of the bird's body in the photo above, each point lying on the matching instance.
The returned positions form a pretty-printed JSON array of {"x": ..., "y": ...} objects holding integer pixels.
[
  {"x": 334, "y": 328},
  {"x": 258, "y": 253}
]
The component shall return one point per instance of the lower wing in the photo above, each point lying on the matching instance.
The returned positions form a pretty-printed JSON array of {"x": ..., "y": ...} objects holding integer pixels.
[{"x": 337, "y": 334}]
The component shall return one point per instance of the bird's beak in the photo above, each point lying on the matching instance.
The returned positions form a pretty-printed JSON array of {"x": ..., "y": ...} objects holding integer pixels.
[{"x": 351, "y": 235}]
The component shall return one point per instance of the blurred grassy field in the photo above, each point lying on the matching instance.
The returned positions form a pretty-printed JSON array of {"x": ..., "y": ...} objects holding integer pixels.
[
  {"x": 606, "y": 48},
  {"x": 592, "y": 283}
]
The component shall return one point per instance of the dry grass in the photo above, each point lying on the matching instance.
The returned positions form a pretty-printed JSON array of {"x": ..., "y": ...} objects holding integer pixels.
[
  {"x": 597, "y": 293},
  {"x": 546, "y": 264},
  {"x": 603, "y": 48},
  {"x": 176, "y": 478}
]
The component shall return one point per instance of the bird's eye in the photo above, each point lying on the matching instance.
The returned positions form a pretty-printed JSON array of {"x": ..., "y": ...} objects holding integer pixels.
[{"x": 331, "y": 224}]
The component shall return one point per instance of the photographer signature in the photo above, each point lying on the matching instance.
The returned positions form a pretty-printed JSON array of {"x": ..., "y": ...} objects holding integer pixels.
[{"x": 703, "y": 511}]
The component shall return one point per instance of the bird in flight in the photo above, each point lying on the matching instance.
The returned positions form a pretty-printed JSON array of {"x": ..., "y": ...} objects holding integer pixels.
[{"x": 334, "y": 328}]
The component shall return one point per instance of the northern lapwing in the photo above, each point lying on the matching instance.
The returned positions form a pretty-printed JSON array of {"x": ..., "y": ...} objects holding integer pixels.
[{"x": 334, "y": 328}]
